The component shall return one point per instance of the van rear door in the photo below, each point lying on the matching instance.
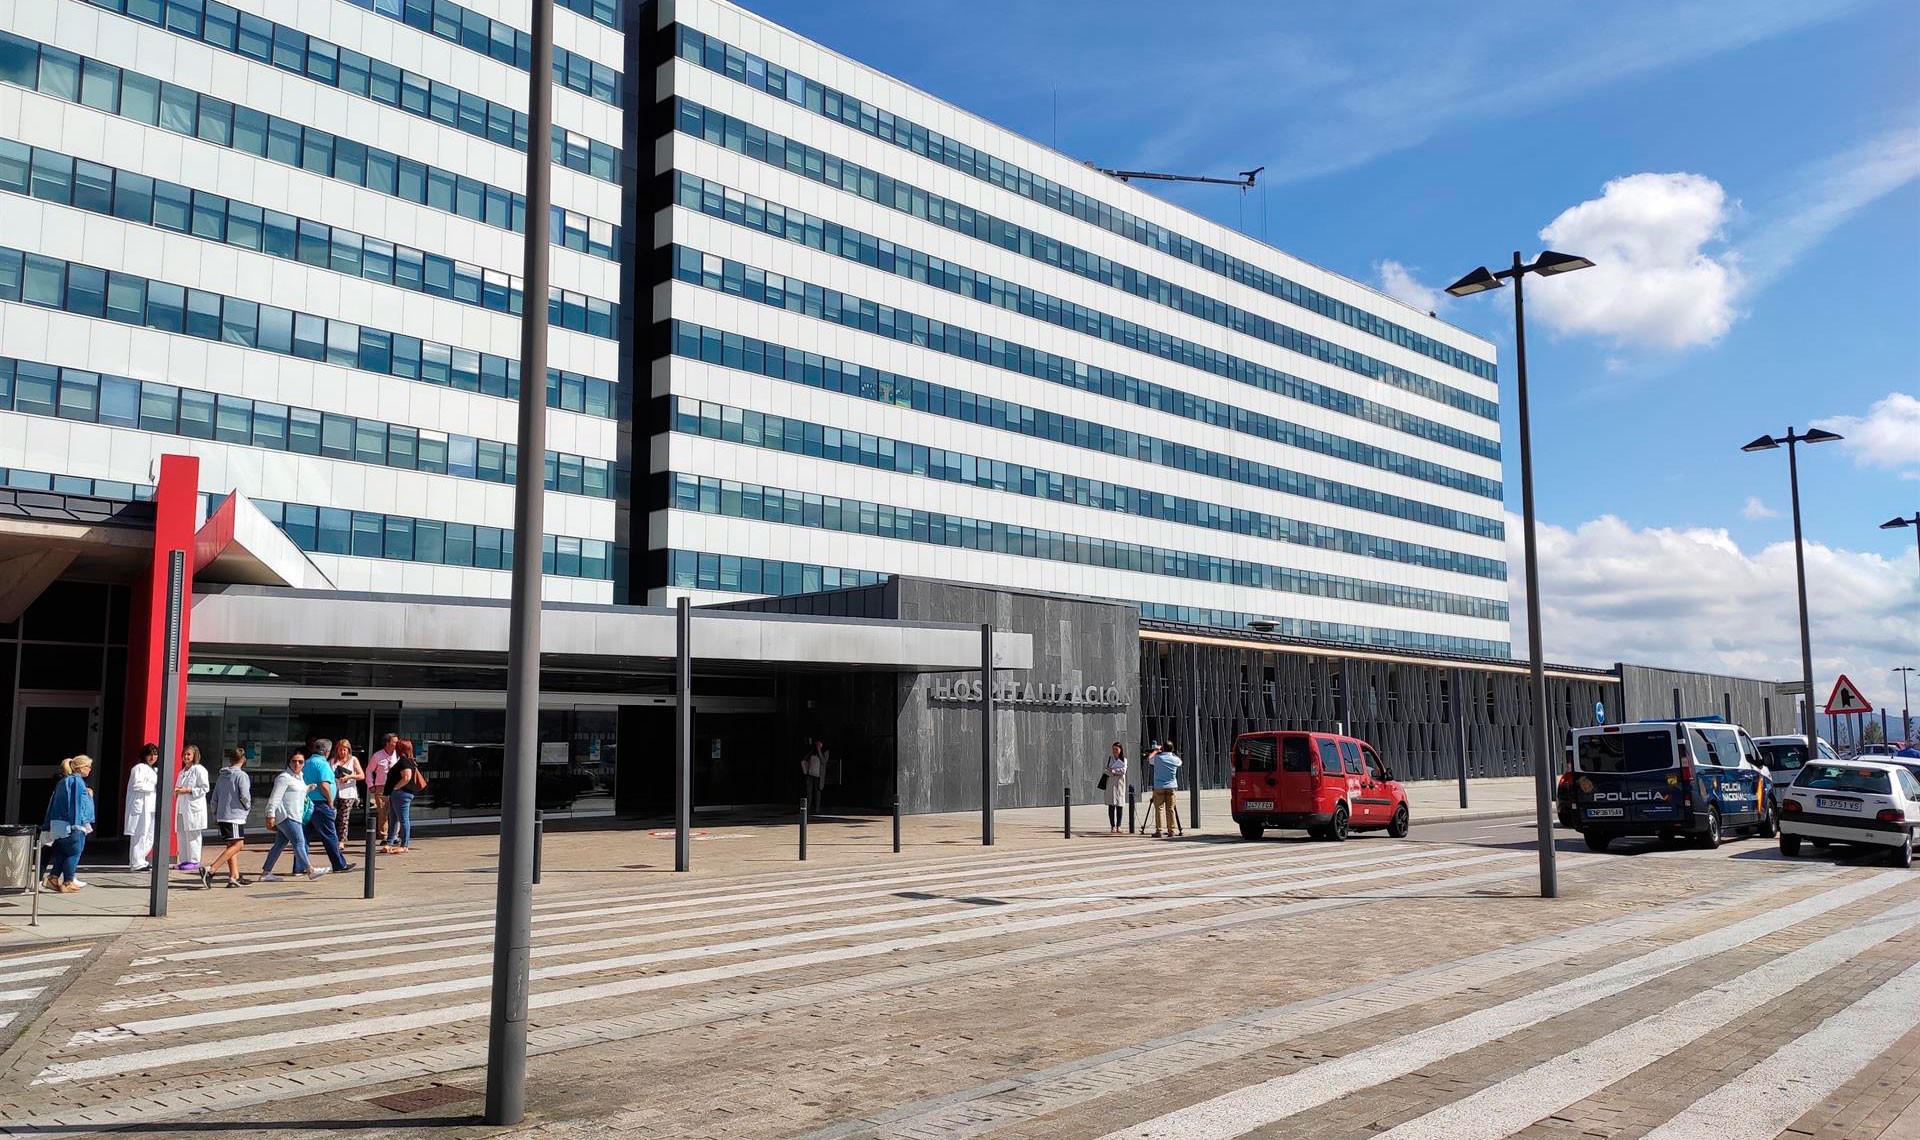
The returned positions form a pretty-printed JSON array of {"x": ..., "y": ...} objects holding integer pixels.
[{"x": 1627, "y": 775}]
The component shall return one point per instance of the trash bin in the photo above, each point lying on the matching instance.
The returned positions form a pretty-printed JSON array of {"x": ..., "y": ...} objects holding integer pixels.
[{"x": 18, "y": 857}]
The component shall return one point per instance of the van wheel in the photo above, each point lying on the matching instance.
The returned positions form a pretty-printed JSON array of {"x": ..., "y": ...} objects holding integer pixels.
[
  {"x": 1789, "y": 845},
  {"x": 1903, "y": 854},
  {"x": 1251, "y": 832},
  {"x": 1398, "y": 828},
  {"x": 1597, "y": 841},
  {"x": 1765, "y": 828},
  {"x": 1337, "y": 829},
  {"x": 1710, "y": 838}
]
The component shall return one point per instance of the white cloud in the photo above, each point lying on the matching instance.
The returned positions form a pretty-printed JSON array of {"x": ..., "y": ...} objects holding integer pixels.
[
  {"x": 1755, "y": 509},
  {"x": 1693, "y": 599},
  {"x": 1823, "y": 196},
  {"x": 1398, "y": 282},
  {"x": 1655, "y": 281},
  {"x": 1887, "y": 436}
]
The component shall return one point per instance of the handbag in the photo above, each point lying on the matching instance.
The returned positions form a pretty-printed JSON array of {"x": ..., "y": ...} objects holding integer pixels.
[{"x": 1102, "y": 785}]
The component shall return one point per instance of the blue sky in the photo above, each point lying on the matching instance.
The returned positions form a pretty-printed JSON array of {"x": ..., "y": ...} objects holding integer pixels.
[{"x": 1407, "y": 142}]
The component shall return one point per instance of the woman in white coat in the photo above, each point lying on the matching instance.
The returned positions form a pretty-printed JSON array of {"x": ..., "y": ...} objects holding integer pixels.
[
  {"x": 143, "y": 796},
  {"x": 190, "y": 806}
]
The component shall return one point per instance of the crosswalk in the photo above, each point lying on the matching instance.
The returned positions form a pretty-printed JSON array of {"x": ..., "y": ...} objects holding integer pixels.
[
  {"x": 281, "y": 1014},
  {"x": 25, "y": 977}
]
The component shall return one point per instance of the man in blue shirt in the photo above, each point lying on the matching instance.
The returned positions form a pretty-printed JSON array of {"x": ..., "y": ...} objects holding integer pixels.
[
  {"x": 320, "y": 789},
  {"x": 1166, "y": 781}
]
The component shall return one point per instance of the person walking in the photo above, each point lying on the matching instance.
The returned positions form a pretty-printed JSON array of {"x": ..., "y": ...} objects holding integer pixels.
[
  {"x": 232, "y": 801},
  {"x": 190, "y": 790},
  {"x": 1113, "y": 780},
  {"x": 814, "y": 768},
  {"x": 69, "y": 820},
  {"x": 1166, "y": 782},
  {"x": 321, "y": 792},
  {"x": 347, "y": 774},
  {"x": 143, "y": 798},
  {"x": 377, "y": 766},
  {"x": 287, "y": 807},
  {"x": 405, "y": 780}
]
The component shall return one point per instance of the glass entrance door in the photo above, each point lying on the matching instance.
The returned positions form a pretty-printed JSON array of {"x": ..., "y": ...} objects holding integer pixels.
[{"x": 48, "y": 727}]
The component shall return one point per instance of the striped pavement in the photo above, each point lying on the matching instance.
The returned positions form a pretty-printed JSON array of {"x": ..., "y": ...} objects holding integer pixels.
[
  {"x": 25, "y": 980},
  {"x": 234, "y": 1021}
]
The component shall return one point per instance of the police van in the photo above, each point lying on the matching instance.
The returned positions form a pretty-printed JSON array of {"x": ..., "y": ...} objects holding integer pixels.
[{"x": 1667, "y": 778}]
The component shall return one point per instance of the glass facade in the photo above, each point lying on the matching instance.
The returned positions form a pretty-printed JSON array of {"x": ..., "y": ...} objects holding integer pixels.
[
  {"x": 744, "y": 67},
  {"x": 37, "y": 389},
  {"x": 144, "y": 99}
]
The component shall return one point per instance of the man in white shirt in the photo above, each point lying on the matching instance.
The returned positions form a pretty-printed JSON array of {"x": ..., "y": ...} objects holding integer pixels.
[{"x": 377, "y": 767}]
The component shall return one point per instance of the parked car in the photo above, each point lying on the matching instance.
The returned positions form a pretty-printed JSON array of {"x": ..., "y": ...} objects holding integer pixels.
[
  {"x": 1667, "y": 779},
  {"x": 1329, "y": 784},
  {"x": 1866, "y": 802}
]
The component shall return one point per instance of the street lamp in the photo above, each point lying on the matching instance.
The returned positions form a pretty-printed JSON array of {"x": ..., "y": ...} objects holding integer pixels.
[
  {"x": 1906, "y": 713},
  {"x": 1793, "y": 442},
  {"x": 1914, "y": 522},
  {"x": 1548, "y": 264}
]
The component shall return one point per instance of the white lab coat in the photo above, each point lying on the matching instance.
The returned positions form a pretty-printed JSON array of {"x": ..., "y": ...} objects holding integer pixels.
[
  {"x": 143, "y": 788},
  {"x": 190, "y": 810}
]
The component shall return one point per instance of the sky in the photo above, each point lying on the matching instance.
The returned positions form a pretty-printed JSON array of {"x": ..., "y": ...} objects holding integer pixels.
[{"x": 1745, "y": 174}]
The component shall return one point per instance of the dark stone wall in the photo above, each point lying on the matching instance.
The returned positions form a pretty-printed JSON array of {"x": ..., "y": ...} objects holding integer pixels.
[
  {"x": 1753, "y": 705},
  {"x": 1038, "y": 749}
]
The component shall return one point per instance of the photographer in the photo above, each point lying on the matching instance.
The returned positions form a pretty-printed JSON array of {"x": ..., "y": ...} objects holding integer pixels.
[{"x": 1164, "y": 763}]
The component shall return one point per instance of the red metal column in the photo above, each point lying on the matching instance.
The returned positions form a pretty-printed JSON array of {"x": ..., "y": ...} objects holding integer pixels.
[{"x": 176, "y": 498}]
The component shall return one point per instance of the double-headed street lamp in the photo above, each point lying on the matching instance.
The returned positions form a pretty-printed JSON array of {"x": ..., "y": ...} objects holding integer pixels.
[
  {"x": 1548, "y": 264},
  {"x": 1793, "y": 442}
]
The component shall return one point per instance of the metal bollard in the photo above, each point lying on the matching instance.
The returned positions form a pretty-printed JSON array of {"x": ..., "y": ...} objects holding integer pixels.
[
  {"x": 1131, "y": 792},
  {"x": 896, "y": 825},
  {"x": 803, "y": 831},
  {"x": 373, "y": 849},
  {"x": 539, "y": 841},
  {"x": 1066, "y": 812}
]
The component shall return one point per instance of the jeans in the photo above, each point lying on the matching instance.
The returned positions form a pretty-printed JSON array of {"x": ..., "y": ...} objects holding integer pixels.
[
  {"x": 288, "y": 833},
  {"x": 325, "y": 829},
  {"x": 63, "y": 856},
  {"x": 400, "y": 819}
]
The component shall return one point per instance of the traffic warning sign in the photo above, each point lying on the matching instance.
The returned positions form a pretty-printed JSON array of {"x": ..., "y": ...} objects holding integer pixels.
[{"x": 1846, "y": 698}]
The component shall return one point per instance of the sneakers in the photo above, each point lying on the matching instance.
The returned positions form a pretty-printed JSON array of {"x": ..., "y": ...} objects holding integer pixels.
[
  {"x": 206, "y": 879},
  {"x": 68, "y": 889},
  {"x": 77, "y": 883},
  {"x": 316, "y": 873},
  {"x": 346, "y": 867},
  {"x": 270, "y": 877}
]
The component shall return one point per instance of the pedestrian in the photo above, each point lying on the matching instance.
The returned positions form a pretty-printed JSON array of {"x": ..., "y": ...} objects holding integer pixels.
[
  {"x": 405, "y": 780},
  {"x": 322, "y": 790},
  {"x": 232, "y": 801},
  {"x": 814, "y": 768},
  {"x": 69, "y": 820},
  {"x": 143, "y": 797},
  {"x": 1166, "y": 781},
  {"x": 377, "y": 766},
  {"x": 1113, "y": 781},
  {"x": 287, "y": 808},
  {"x": 347, "y": 774},
  {"x": 190, "y": 790}
]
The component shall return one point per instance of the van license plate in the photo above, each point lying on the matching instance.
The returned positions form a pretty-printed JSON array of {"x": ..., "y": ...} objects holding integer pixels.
[
  {"x": 1836, "y": 805},
  {"x": 1605, "y": 813},
  {"x": 1259, "y": 805}
]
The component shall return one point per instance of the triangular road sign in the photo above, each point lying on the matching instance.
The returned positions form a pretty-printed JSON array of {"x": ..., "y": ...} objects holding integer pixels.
[{"x": 1846, "y": 698}]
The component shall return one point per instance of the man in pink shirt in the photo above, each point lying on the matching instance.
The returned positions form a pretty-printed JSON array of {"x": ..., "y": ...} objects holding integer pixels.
[{"x": 377, "y": 778}]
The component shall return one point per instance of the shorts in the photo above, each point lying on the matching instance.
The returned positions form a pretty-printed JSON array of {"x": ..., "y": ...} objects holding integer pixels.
[{"x": 231, "y": 832}]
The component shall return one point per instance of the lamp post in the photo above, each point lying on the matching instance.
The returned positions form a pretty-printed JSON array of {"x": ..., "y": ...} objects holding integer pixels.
[
  {"x": 1548, "y": 264},
  {"x": 1906, "y": 713},
  {"x": 1793, "y": 442},
  {"x": 513, "y": 897}
]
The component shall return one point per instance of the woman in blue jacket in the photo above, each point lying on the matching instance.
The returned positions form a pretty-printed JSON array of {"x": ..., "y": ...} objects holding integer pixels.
[{"x": 69, "y": 821}]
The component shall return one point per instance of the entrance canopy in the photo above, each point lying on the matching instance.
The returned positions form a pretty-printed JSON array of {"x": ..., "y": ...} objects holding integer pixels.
[{"x": 263, "y": 621}]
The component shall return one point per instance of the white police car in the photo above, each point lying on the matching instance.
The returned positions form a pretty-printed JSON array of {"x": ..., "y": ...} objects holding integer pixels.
[{"x": 1866, "y": 802}]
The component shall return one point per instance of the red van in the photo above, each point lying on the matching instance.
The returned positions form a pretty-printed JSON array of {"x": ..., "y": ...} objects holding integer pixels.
[{"x": 1326, "y": 783}]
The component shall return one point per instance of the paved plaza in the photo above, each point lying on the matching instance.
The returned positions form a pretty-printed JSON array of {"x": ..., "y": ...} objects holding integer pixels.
[{"x": 1101, "y": 986}]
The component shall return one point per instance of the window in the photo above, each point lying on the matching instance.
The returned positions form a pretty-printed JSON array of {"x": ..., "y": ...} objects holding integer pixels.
[
  {"x": 1351, "y": 754},
  {"x": 15, "y": 161},
  {"x": 1375, "y": 768},
  {"x": 79, "y": 395},
  {"x": 45, "y": 282},
  {"x": 126, "y": 298},
  {"x": 196, "y": 414},
  {"x": 1648, "y": 750},
  {"x": 1254, "y": 754},
  {"x": 87, "y": 291},
  {"x": 1330, "y": 758},
  {"x": 52, "y": 176}
]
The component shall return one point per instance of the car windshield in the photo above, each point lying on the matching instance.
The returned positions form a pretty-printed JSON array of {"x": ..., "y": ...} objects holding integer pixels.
[
  {"x": 1643, "y": 751},
  {"x": 1784, "y": 757},
  {"x": 1844, "y": 778}
]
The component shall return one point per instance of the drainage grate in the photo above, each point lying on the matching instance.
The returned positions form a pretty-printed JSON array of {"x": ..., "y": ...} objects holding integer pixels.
[{"x": 432, "y": 1096}]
